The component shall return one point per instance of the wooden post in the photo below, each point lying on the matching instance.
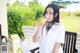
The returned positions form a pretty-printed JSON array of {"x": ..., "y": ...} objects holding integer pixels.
[{"x": 0, "y": 32}]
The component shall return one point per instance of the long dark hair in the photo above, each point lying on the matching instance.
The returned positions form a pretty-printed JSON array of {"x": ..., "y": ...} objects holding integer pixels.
[{"x": 56, "y": 10}]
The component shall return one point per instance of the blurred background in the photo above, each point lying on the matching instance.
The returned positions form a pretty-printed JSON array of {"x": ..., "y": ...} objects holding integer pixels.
[
  {"x": 26, "y": 12},
  {"x": 17, "y": 13}
]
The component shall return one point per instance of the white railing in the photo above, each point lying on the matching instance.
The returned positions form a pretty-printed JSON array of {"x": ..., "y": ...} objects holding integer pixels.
[{"x": 28, "y": 32}]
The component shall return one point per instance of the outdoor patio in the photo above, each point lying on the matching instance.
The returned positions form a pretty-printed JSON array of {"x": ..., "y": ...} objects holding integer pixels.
[{"x": 29, "y": 30}]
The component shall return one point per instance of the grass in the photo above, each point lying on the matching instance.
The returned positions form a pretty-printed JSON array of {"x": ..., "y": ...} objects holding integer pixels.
[{"x": 71, "y": 23}]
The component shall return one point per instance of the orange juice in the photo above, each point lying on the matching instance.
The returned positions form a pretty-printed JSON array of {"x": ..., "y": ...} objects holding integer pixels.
[{"x": 42, "y": 21}]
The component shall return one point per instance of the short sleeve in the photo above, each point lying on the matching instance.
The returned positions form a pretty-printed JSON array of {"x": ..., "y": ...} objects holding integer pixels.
[{"x": 60, "y": 34}]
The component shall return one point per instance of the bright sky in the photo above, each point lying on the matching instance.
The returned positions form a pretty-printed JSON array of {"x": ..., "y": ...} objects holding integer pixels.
[
  {"x": 74, "y": 7},
  {"x": 43, "y": 2},
  {"x": 46, "y": 2}
]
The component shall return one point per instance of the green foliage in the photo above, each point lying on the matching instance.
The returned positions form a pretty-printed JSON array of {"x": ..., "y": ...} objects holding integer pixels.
[
  {"x": 14, "y": 23},
  {"x": 39, "y": 9},
  {"x": 71, "y": 23},
  {"x": 77, "y": 13},
  {"x": 63, "y": 14},
  {"x": 20, "y": 14}
]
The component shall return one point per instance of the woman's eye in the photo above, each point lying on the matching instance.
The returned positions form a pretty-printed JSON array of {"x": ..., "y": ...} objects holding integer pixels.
[{"x": 51, "y": 13}]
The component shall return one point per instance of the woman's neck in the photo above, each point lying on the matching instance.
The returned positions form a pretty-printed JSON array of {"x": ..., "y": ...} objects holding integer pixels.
[
  {"x": 48, "y": 26},
  {"x": 51, "y": 24}
]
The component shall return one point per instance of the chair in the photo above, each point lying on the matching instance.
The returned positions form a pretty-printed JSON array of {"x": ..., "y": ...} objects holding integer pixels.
[
  {"x": 4, "y": 46},
  {"x": 33, "y": 51},
  {"x": 1, "y": 37},
  {"x": 70, "y": 43}
]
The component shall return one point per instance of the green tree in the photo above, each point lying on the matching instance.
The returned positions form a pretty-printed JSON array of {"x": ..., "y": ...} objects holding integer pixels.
[
  {"x": 62, "y": 4},
  {"x": 20, "y": 14},
  {"x": 36, "y": 7},
  {"x": 14, "y": 23}
]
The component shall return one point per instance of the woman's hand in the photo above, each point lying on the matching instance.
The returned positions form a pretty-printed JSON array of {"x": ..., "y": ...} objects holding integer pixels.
[
  {"x": 41, "y": 22},
  {"x": 39, "y": 25},
  {"x": 37, "y": 34}
]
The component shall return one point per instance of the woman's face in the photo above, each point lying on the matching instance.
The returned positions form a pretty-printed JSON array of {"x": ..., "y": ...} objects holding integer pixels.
[{"x": 49, "y": 14}]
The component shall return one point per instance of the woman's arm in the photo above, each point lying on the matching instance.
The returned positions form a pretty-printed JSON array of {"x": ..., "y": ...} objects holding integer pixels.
[
  {"x": 60, "y": 38},
  {"x": 56, "y": 47},
  {"x": 37, "y": 35}
]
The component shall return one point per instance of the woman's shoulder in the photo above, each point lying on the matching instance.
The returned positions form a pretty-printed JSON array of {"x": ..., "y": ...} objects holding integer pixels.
[{"x": 59, "y": 25}]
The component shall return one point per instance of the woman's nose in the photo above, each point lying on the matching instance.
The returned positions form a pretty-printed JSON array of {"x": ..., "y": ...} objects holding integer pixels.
[{"x": 47, "y": 16}]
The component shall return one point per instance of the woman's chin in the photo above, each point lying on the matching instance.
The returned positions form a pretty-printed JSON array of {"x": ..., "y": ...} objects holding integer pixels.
[{"x": 49, "y": 21}]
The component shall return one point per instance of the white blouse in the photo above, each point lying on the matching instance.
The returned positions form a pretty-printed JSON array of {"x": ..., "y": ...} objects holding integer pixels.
[{"x": 47, "y": 41}]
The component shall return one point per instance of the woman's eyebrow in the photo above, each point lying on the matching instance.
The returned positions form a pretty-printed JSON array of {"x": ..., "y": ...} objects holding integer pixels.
[{"x": 51, "y": 11}]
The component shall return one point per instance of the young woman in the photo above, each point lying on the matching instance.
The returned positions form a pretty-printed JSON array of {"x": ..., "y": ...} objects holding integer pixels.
[{"x": 50, "y": 35}]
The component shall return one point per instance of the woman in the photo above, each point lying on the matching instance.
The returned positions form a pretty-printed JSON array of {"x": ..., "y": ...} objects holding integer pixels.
[{"x": 50, "y": 35}]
